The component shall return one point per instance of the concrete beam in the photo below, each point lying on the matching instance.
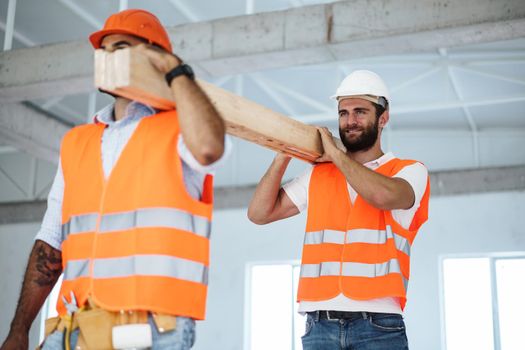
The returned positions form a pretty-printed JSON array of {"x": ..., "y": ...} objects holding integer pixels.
[
  {"x": 470, "y": 181},
  {"x": 332, "y": 32},
  {"x": 22, "y": 212},
  {"x": 233, "y": 196},
  {"x": 46, "y": 71},
  {"x": 443, "y": 183},
  {"x": 33, "y": 211},
  {"x": 31, "y": 130}
]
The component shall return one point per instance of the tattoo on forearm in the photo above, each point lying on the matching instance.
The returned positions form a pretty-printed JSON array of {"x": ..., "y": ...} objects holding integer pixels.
[
  {"x": 49, "y": 266},
  {"x": 42, "y": 272}
]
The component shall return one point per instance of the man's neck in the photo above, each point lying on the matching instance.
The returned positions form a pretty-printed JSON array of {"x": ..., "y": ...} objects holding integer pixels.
[
  {"x": 121, "y": 104},
  {"x": 369, "y": 155}
]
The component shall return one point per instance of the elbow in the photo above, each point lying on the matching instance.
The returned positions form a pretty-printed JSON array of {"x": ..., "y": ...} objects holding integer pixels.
[
  {"x": 381, "y": 200},
  {"x": 256, "y": 218},
  {"x": 390, "y": 201},
  {"x": 209, "y": 154}
]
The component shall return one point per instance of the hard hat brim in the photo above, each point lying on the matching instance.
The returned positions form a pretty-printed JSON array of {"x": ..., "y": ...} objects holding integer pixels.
[
  {"x": 370, "y": 98},
  {"x": 96, "y": 37}
]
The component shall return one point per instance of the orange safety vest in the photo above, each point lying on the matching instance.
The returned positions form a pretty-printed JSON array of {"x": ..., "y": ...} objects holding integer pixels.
[
  {"x": 137, "y": 240},
  {"x": 354, "y": 249}
]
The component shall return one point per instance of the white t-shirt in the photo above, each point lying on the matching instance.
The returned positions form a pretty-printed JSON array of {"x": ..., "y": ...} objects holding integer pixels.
[{"x": 297, "y": 190}]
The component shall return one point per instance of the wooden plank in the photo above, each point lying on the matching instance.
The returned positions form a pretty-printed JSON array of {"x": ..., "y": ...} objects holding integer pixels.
[{"x": 129, "y": 73}]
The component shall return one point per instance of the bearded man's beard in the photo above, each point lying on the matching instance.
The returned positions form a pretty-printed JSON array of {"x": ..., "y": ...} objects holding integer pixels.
[{"x": 362, "y": 142}]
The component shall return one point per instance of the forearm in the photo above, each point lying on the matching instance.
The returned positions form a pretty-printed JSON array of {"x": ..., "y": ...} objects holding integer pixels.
[
  {"x": 266, "y": 195},
  {"x": 380, "y": 191},
  {"x": 201, "y": 125},
  {"x": 43, "y": 270}
]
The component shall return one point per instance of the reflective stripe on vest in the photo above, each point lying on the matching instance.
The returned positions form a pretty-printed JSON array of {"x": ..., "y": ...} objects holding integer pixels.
[
  {"x": 146, "y": 265},
  {"x": 358, "y": 236},
  {"x": 149, "y": 217},
  {"x": 79, "y": 224},
  {"x": 350, "y": 269}
]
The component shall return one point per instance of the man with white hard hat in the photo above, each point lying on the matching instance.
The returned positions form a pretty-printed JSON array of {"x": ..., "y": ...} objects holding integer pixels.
[{"x": 364, "y": 209}]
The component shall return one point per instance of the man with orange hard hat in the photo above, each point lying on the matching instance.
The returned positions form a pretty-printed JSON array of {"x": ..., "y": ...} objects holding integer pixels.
[
  {"x": 364, "y": 208},
  {"x": 129, "y": 214}
]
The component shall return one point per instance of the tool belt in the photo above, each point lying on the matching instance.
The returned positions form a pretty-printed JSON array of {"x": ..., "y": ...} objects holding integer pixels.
[{"x": 96, "y": 324}]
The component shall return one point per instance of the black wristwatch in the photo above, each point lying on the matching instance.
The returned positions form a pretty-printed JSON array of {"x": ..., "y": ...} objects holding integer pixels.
[{"x": 181, "y": 69}]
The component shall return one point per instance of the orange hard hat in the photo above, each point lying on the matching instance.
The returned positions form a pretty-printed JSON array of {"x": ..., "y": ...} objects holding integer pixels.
[{"x": 135, "y": 22}]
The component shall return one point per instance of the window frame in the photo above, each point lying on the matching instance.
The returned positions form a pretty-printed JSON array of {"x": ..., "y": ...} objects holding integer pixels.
[
  {"x": 47, "y": 306},
  {"x": 248, "y": 294},
  {"x": 493, "y": 257}
]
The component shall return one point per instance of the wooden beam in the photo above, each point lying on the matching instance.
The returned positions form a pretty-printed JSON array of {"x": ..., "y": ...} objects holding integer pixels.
[{"x": 129, "y": 73}]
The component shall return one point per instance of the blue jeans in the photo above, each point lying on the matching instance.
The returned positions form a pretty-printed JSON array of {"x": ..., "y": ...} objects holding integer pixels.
[
  {"x": 181, "y": 338},
  {"x": 372, "y": 331}
]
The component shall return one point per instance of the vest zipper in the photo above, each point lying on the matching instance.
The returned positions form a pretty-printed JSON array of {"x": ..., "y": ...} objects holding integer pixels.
[
  {"x": 345, "y": 241},
  {"x": 97, "y": 229},
  {"x": 341, "y": 265}
]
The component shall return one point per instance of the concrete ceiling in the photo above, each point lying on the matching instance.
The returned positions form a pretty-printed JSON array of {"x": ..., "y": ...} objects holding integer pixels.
[{"x": 458, "y": 90}]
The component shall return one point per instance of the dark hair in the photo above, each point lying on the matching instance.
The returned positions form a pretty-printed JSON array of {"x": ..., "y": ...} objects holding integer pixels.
[{"x": 380, "y": 109}]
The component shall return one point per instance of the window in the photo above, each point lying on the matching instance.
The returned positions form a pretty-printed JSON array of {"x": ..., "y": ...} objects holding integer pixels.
[
  {"x": 483, "y": 302},
  {"x": 49, "y": 308},
  {"x": 274, "y": 322}
]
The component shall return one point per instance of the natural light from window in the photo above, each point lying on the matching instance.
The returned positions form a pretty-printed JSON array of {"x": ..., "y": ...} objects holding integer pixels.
[
  {"x": 511, "y": 302},
  {"x": 468, "y": 300},
  {"x": 484, "y": 302},
  {"x": 49, "y": 309},
  {"x": 274, "y": 322}
]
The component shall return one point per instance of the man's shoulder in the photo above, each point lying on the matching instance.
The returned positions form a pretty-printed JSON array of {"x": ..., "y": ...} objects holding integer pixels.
[
  {"x": 397, "y": 164},
  {"x": 84, "y": 127},
  {"x": 405, "y": 161},
  {"x": 79, "y": 132}
]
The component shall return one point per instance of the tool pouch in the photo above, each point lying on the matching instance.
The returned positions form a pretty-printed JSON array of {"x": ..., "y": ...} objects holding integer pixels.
[
  {"x": 51, "y": 324},
  {"x": 95, "y": 328},
  {"x": 96, "y": 325},
  {"x": 164, "y": 323}
]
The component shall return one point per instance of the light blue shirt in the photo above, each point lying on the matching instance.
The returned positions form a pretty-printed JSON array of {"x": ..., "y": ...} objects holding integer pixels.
[{"x": 115, "y": 137}]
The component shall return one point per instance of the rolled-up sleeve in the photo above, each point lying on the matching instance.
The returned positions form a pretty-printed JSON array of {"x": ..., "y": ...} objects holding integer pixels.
[{"x": 297, "y": 189}]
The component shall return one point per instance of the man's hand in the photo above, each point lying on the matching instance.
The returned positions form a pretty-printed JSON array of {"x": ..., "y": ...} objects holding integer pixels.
[
  {"x": 329, "y": 146},
  {"x": 16, "y": 340},
  {"x": 160, "y": 59}
]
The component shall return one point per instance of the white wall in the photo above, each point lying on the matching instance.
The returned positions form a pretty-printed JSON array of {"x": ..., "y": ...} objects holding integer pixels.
[
  {"x": 16, "y": 242},
  {"x": 463, "y": 224}
]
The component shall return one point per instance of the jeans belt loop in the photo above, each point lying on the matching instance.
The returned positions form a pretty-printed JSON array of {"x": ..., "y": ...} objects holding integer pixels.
[
  {"x": 328, "y": 316},
  {"x": 317, "y": 316},
  {"x": 365, "y": 315}
]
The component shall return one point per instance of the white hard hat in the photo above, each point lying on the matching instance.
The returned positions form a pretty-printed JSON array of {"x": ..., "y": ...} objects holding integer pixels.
[{"x": 362, "y": 83}]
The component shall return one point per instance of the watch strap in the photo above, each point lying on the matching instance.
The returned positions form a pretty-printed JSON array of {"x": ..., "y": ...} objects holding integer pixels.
[{"x": 181, "y": 69}]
